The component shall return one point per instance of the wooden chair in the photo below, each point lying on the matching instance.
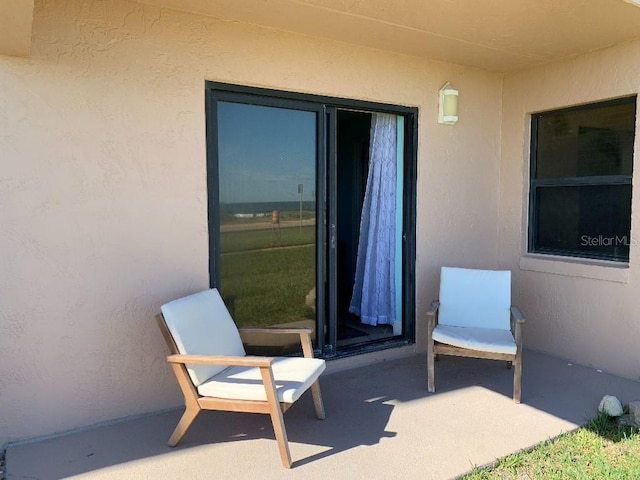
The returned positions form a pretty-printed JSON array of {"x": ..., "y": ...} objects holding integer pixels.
[
  {"x": 474, "y": 318},
  {"x": 214, "y": 372}
]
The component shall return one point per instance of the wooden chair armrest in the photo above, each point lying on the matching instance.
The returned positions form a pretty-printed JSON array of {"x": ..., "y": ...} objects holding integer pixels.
[
  {"x": 517, "y": 320},
  {"x": 516, "y": 314},
  {"x": 248, "y": 361},
  {"x": 433, "y": 308},
  {"x": 276, "y": 330},
  {"x": 263, "y": 363},
  {"x": 432, "y": 316}
]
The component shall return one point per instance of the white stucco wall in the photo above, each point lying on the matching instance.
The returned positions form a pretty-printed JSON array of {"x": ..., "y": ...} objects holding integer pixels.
[
  {"x": 587, "y": 313},
  {"x": 103, "y": 189}
]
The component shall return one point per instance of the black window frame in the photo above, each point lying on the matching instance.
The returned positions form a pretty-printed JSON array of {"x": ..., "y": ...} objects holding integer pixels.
[{"x": 536, "y": 184}]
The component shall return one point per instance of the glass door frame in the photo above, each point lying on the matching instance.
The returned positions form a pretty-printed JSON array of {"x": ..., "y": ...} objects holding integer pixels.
[{"x": 326, "y": 195}]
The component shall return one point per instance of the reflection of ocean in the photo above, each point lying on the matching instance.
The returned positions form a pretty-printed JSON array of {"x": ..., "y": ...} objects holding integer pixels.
[{"x": 263, "y": 207}]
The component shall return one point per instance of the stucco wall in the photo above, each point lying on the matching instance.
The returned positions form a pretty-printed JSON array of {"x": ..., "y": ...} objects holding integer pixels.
[
  {"x": 587, "y": 313},
  {"x": 103, "y": 189}
]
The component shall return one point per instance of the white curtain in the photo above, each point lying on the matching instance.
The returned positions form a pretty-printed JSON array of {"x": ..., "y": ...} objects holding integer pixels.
[{"x": 374, "y": 287}]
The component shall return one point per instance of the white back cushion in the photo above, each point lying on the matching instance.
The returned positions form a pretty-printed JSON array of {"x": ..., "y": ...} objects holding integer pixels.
[
  {"x": 201, "y": 325},
  {"x": 475, "y": 298}
]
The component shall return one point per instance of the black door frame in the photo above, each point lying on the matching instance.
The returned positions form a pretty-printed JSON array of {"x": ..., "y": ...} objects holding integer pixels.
[{"x": 326, "y": 209}]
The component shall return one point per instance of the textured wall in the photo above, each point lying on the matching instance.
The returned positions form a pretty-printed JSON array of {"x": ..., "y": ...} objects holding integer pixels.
[
  {"x": 584, "y": 312},
  {"x": 103, "y": 189}
]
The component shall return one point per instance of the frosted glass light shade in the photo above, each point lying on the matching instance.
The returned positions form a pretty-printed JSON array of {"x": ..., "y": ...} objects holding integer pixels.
[{"x": 448, "y": 105}]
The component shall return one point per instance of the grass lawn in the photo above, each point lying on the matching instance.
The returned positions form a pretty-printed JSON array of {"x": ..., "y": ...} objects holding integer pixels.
[
  {"x": 265, "y": 238},
  {"x": 265, "y": 284},
  {"x": 602, "y": 449}
]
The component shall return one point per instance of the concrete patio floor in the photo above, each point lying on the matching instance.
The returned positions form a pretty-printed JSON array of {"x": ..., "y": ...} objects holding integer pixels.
[{"x": 381, "y": 424}]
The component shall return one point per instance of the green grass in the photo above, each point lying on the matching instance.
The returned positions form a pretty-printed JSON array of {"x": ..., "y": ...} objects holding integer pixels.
[
  {"x": 602, "y": 449},
  {"x": 265, "y": 278},
  {"x": 241, "y": 241}
]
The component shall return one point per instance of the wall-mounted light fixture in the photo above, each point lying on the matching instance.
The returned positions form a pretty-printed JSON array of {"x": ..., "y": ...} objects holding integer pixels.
[{"x": 448, "y": 105}]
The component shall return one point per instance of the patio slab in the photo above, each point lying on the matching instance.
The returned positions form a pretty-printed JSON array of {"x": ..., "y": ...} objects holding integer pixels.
[{"x": 381, "y": 423}]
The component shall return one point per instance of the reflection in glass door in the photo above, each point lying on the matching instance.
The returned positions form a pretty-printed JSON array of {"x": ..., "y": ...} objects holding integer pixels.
[{"x": 267, "y": 159}]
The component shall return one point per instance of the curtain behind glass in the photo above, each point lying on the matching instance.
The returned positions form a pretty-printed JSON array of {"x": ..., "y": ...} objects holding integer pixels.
[{"x": 374, "y": 294}]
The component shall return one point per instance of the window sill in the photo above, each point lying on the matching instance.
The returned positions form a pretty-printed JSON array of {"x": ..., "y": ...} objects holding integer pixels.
[{"x": 576, "y": 267}]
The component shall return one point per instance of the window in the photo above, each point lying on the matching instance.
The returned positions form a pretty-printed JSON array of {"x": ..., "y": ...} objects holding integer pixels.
[{"x": 580, "y": 187}]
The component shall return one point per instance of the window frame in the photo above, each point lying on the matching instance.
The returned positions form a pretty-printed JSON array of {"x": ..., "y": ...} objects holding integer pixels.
[{"x": 535, "y": 184}]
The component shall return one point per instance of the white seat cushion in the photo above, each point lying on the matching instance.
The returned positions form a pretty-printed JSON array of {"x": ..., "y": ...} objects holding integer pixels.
[
  {"x": 484, "y": 339},
  {"x": 293, "y": 376}
]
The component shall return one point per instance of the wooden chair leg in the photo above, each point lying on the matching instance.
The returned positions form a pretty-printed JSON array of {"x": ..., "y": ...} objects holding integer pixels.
[
  {"x": 317, "y": 400},
  {"x": 431, "y": 387},
  {"x": 190, "y": 413},
  {"x": 517, "y": 380},
  {"x": 281, "y": 435},
  {"x": 277, "y": 420}
]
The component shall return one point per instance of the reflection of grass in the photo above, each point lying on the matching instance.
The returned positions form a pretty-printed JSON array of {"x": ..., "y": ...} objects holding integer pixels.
[
  {"x": 268, "y": 286},
  {"x": 241, "y": 241}
]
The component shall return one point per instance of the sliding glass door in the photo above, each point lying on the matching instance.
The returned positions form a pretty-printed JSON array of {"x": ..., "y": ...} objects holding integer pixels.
[{"x": 293, "y": 190}]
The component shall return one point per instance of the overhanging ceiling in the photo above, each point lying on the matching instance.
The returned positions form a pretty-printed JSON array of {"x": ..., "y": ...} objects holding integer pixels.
[
  {"x": 16, "y": 19},
  {"x": 496, "y": 35}
]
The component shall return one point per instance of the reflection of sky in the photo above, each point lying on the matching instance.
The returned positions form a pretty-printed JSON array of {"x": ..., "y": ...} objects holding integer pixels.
[{"x": 264, "y": 153}]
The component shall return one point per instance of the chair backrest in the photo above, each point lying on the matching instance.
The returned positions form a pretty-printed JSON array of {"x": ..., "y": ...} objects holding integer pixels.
[
  {"x": 200, "y": 324},
  {"x": 475, "y": 298}
]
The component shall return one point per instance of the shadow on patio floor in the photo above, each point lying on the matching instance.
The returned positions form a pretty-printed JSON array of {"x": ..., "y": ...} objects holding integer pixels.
[{"x": 381, "y": 423}]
